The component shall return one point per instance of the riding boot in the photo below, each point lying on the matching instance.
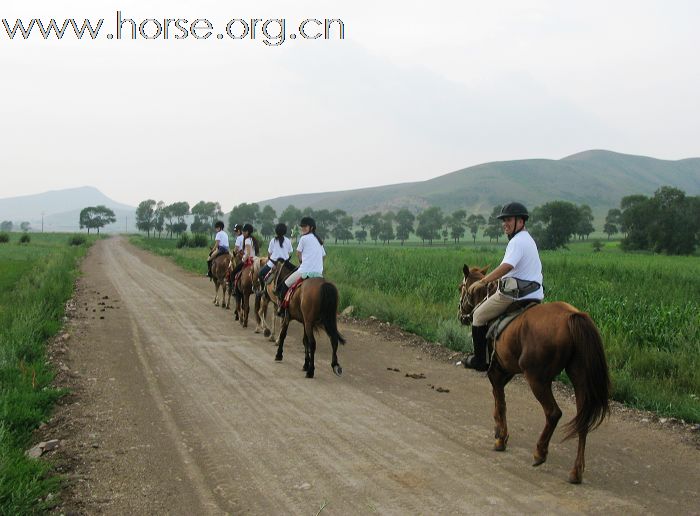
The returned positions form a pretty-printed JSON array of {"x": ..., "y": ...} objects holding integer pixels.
[
  {"x": 281, "y": 291},
  {"x": 478, "y": 359},
  {"x": 209, "y": 274}
]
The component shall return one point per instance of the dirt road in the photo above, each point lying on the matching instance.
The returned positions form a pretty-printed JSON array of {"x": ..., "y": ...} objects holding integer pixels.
[{"x": 176, "y": 409}]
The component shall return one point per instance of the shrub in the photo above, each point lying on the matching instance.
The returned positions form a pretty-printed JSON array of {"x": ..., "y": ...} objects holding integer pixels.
[
  {"x": 25, "y": 238},
  {"x": 4, "y": 238},
  {"x": 453, "y": 335},
  {"x": 183, "y": 241},
  {"x": 77, "y": 240},
  {"x": 199, "y": 240}
]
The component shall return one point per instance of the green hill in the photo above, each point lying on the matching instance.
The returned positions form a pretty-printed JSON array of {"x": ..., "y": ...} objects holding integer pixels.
[{"x": 598, "y": 178}]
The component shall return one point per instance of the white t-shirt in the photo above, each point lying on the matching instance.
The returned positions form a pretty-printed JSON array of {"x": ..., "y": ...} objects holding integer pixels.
[
  {"x": 279, "y": 251},
  {"x": 522, "y": 254},
  {"x": 239, "y": 243},
  {"x": 248, "y": 242},
  {"x": 312, "y": 254},
  {"x": 222, "y": 237}
]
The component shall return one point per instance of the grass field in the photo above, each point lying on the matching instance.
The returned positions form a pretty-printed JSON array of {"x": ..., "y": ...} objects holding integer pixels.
[
  {"x": 646, "y": 306},
  {"x": 36, "y": 279}
]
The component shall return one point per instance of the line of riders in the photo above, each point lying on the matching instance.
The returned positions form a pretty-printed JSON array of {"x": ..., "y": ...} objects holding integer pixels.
[
  {"x": 522, "y": 335},
  {"x": 519, "y": 275}
]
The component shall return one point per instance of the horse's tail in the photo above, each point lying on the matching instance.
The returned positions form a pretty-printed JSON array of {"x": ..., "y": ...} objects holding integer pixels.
[
  {"x": 588, "y": 371},
  {"x": 329, "y": 310}
]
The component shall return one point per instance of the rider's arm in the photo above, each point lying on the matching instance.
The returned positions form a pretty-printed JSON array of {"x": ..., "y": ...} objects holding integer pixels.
[{"x": 497, "y": 273}]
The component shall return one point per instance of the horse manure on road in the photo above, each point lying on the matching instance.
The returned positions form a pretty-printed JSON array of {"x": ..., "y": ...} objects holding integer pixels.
[{"x": 415, "y": 376}]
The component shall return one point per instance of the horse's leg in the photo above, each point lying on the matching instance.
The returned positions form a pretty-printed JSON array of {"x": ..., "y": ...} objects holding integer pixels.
[
  {"x": 311, "y": 339},
  {"x": 280, "y": 341},
  {"x": 335, "y": 365},
  {"x": 576, "y": 473},
  {"x": 305, "y": 340},
  {"x": 246, "y": 307},
  {"x": 499, "y": 378},
  {"x": 262, "y": 315},
  {"x": 543, "y": 392},
  {"x": 258, "y": 327},
  {"x": 223, "y": 294},
  {"x": 274, "y": 326},
  {"x": 216, "y": 292}
]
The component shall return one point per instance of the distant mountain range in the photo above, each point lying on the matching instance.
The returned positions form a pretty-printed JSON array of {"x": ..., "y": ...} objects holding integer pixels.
[
  {"x": 598, "y": 178},
  {"x": 61, "y": 209}
]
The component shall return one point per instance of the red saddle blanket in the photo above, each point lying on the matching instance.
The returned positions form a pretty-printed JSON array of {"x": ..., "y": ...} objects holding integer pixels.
[
  {"x": 290, "y": 292},
  {"x": 237, "y": 278}
]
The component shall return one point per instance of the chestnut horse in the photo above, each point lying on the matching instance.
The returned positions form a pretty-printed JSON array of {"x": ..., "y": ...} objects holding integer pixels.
[
  {"x": 540, "y": 343},
  {"x": 219, "y": 268},
  {"x": 314, "y": 304},
  {"x": 269, "y": 295},
  {"x": 243, "y": 291}
]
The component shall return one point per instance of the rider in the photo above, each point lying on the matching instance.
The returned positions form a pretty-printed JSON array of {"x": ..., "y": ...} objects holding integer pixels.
[
  {"x": 280, "y": 248},
  {"x": 249, "y": 247},
  {"x": 219, "y": 247},
  {"x": 310, "y": 252},
  {"x": 520, "y": 262},
  {"x": 238, "y": 242}
]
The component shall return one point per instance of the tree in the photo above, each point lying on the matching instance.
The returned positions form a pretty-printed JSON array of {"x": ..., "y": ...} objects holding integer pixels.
[
  {"x": 404, "y": 224},
  {"x": 6, "y": 225},
  {"x": 267, "y": 221},
  {"x": 244, "y": 214},
  {"x": 25, "y": 226},
  {"x": 386, "y": 227},
  {"x": 554, "y": 223},
  {"x": 457, "y": 224},
  {"x": 145, "y": 212},
  {"x": 343, "y": 229},
  {"x": 96, "y": 217},
  {"x": 430, "y": 222},
  {"x": 159, "y": 218},
  {"x": 361, "y": 236},
  {"x": 474, "y": 223},
  {"x": 376, "y": 226},
  {"x": 493, "y": 228},
  {"x": 612, "y": 222},
  {"x": 634, "y": 221},
  {"x": 290, "y": 216},
  {"x": 205, "y": 216},
  {"x": 585, "y": 223},
  {"x": 176, "y": 213}
]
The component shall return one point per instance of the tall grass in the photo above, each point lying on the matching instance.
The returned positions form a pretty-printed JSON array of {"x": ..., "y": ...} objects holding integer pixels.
[
  {"x": 646, "y": 306},
  {"x": 37, "y": 279}
]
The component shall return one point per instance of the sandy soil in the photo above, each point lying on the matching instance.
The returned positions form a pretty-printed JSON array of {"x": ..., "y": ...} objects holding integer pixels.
[{"x": 177, "y": 409}]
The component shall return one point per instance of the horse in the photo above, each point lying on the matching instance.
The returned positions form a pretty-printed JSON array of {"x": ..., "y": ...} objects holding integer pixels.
[
  {"x": 268, "y": 295},
  {"x": 540, "y": 343},
  {"x": 243, "y": 291},
  {"x": 219, "y": 269},
  {"x": 314, "y": 304}
]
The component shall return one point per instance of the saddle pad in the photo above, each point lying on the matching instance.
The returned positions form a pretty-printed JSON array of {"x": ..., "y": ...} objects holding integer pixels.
[
  {"x": 499, "y": 324},
  {"x": 290, "y": 292}
]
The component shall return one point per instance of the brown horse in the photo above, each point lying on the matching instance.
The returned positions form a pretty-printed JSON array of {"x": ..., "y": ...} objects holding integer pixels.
[
  {"x": 314, "y": 304},
  {"x": 243, "y": 291},
  {"x": 540, "y": 343},
  {"x": 219, "y": 268},
  {"x": 269, "y": 295}
]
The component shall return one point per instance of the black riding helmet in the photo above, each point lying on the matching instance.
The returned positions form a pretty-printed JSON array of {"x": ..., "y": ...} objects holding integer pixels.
[
  {"x": 236, "y": 227},
  {"x": 514, "y": 209},
  {"x": 307, "y": 221}
]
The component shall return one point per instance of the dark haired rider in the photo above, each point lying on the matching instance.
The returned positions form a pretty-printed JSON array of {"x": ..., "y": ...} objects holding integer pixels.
[
  {"x": 522, "y": 264},
  {"x": 310, "y": 252},
  {"x": 280, "y": 247},
  {"x": 219, "y": 247}
]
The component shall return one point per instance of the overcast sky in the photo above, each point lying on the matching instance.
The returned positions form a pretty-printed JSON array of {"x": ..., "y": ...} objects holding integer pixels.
[{"x": 415, "y": 90}]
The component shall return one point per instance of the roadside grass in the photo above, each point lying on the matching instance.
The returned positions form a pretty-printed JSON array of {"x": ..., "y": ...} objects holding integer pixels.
[
  {"x": 37, "y": 280},
  {"x": 646, "y": 306}
]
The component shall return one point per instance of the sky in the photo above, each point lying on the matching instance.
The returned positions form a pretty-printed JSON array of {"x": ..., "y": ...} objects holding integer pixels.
[{"x": 413, "y": 91}]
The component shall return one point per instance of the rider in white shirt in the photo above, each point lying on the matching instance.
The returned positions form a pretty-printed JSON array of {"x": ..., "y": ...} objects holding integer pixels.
[
  {"x": 280, "y": 248},
  {"x": 219, "y": 247},
  {"x": 521, "y": 263}
]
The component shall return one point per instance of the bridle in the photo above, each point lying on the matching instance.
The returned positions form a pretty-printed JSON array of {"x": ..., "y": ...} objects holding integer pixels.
[{"x": 469, "y": 302}]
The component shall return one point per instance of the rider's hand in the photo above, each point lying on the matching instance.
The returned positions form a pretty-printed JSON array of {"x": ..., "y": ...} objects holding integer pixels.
[{"x": 474, "y": 286}]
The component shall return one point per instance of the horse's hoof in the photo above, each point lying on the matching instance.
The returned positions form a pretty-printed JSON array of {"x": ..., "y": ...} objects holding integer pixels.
[
  {"x": 538, "y": 461},
  {"x": 499, "y": 445},
  {"x": 267, "y": 333},
  {"x": 575, "y": 477},
  {"x": 228, "y": 308},
  {"x": 338, "y": 370},
  {"x": 278, "y": 358},
  {"x": 256, "y": 330},
  {"x": 310, "y": 374},
  {"x": 305, "y": 367}
]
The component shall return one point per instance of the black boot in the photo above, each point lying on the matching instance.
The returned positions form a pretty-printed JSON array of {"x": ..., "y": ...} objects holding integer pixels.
[
  {"x": 478, "y": 359},
  {"x": 209, "y": 274},
  {"x": 281, "y": 291}
]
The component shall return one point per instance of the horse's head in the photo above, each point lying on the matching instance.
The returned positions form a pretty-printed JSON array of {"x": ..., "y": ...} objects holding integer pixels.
[{"x": 468, "y": 301}]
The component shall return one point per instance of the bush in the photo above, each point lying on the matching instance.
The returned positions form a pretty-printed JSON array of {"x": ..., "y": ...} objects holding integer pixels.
[
  {"x": 453, "y": 335},
  {"x": 77, "y": 240},
  {"x": 199, "y": 240},
  {"x": 4, "y": 238},
  {"x": 25, "y": 238},
  {"x": 183, "y": 241}
]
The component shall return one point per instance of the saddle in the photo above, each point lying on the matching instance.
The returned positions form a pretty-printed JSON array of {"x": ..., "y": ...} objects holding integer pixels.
[
  {"x": 500, "y": 323},
  {"x": 290, "y": 293}
]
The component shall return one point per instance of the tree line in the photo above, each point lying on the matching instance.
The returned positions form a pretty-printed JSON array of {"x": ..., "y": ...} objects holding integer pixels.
[{"x": 648, "y": 223}]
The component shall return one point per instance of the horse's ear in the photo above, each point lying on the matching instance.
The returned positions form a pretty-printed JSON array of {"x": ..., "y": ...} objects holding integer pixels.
[{"x": 465, "y": 270}]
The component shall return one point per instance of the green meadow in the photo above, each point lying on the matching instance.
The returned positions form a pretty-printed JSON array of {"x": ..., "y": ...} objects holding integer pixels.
[
  {"x": 646, "y": 306},
  {"x": 36, "y": 280}
]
